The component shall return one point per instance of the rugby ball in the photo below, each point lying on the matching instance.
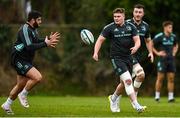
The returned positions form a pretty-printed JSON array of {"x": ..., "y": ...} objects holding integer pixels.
[{"x": 87, "y": 37}]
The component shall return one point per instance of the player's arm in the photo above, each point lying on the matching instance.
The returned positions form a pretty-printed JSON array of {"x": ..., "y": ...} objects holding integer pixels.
[
  {"x": 156, "y": 41},
  {"x": 175, "y": 49},
  {"x": 149, "y": 45},
  {"x": 137, "y": 44},
  {"x": 159, "y": 53},
  {"x": 136, "y": 38},
  {"x": 27, "y": 38},
  {"x": 97, "y": 47}
]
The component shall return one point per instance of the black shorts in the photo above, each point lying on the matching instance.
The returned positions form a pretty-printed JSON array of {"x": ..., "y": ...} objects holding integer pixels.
[
  {"x": 122, "y": 65},
  {"x": 166, "y": 65},
  {"x": 21, "y": 66},
  {"x": 135, "y": 60}
]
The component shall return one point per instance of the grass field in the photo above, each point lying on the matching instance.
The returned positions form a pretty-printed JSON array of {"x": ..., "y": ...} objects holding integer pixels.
[{"x": 48, "y": 106}]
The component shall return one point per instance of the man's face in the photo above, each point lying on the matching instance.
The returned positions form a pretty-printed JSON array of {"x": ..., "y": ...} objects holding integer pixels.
[
  {"x": 119, "y": 18},
  {"x": 138, "y": 14},
  {"x": 37, "y": 22},
  {"x": 168, "y": 28}
]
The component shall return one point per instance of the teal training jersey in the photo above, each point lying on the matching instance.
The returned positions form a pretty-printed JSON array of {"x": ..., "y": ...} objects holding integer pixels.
[
  {"x": 165, "y": 43},
  {"x": 121, "y": 38},
  {"x": 27, "y": 43},
  {"x": 144, "y": 33}
]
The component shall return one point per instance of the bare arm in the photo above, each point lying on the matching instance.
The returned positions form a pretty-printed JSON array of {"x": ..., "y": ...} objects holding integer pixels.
[
  {"x": 137, "y": 44},
  {"x": 159, "y": 53},
  {"x": 175, "y": 49},
  {"x": 97, "y": 47},
  {"x": 149, "y": 46}
]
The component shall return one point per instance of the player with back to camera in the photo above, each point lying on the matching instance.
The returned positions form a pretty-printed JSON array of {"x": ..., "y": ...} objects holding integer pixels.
[
  {"x": 138, "y": 72},
  {"x": 165, "y": 47},
  {"x": 22, "y": 55},
  {"x": 124, "y": 41}
]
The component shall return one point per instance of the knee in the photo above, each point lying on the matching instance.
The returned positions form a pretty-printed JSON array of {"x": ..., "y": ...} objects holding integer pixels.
[
  {"x": 38, "y": 78},
  {"x": 171, "y": 80},
  {"x": 128, "y": 81},
  {"x": 141, "y": 75},
  {"x": 159, "y": 80}
]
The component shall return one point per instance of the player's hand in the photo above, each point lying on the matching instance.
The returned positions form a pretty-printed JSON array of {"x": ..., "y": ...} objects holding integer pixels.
[
  {"x": 51, "y": 42},
  {"x": 95, "y": 57},
  {"x": 174, "y": 54},
  {"x": 151, "y": 56},
  {"x": 55, "y": 35},
  {"x": 162, "y": 53},
  {"x": 133, "y": 50}
]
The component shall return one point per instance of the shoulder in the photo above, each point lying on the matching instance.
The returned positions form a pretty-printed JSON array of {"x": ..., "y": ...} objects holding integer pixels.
[
  {"x": 130, "y": 24},
  {"x": 129, "y": 20},
  {"x": 145, "y": 23},
  {"x": 173, "y": 35},
  {"x": 109, "y": 25},
  {"x": 26, "y": 28},
  {"x": 158, "y": 35}
]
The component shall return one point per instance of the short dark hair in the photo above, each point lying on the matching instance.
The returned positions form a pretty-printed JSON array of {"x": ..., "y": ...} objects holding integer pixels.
[
  {"x": 119, "y": 10},
  {"x": 139, "y": 6},
  {"x": 33, "y": 15},
  {"x": 166, "y": 23}
]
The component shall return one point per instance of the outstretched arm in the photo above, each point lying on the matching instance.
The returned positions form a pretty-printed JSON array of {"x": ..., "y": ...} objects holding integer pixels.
[{"x": 97, "y": 47}]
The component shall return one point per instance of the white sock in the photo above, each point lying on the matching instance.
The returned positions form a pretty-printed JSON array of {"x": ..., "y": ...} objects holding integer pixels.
[
  {"x": 170, "y": 95},
  {"x": 157, "y": 95},
  {"x": 24, "y": 92},
  {"x": 114, "y": 97},
  {"x": 136, "y": 93},
  {"x": 8, "y": 102},
  {"x": 136, "y": 104}
]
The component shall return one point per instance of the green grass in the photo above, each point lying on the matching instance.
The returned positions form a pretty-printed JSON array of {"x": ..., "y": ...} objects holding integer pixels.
[{"x": 91, "y": 107}]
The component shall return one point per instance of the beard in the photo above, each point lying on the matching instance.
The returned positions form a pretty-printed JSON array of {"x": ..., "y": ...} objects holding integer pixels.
[{"x": 35, "y": 25}]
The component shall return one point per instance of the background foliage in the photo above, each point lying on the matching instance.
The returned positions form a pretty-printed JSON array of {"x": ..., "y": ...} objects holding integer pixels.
[{"x": 69, "y": 69}]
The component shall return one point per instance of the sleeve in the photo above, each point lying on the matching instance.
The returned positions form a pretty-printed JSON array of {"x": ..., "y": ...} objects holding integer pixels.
[
  {"x": 134, "y": 30},
  {"x": 27, "y": 39},
  {"x": 106, "y": 32},
  {"x": 157, "y": 39},
  {"x": 40, "y": 40}
]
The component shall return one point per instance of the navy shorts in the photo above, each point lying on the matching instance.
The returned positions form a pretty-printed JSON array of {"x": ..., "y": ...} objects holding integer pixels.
[
  {"x": 166, "y": 65},
  {"x": 120, "y": 65},
  {"x": 135, "y": 61},
  {"x": 21, "y": 66}
]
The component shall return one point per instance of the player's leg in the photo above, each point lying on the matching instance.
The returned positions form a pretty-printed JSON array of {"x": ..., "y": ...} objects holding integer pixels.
[
  {"x": 161, "y": 69},
  {"x": 171, "y": 70},
  {"x": 119, "y": 68},
  {"x": 21, "y": 82},
  {"x": 118, "y": 92},
  {"x": 140, "y": 75},
  {"x": 138, "y": 72},
  {"x": 116, "y": 97},
  {"x": 34, "y": 77},
  {"x": 127, "y": 80},
  {"x": 170, "y": 77},
  {"x": 158, "y": 85}
]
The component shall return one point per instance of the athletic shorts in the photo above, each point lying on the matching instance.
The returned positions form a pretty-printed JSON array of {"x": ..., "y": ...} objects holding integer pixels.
[
  {"x": 135, "y": 61},
  {"x": 21, "y": 66},
  {"x": 166, "y": 65},
  {"x": 120, "y": 65}
]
